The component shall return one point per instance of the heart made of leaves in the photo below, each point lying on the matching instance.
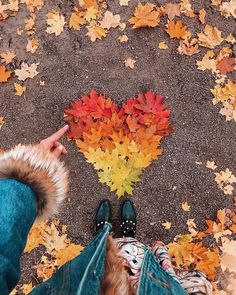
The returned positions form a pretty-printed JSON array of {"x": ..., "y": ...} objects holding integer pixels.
[{"x": 119, "y": 142}]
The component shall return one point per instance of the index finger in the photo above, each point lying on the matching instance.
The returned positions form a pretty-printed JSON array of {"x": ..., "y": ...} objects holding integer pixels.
[{"x": 57, "y": 135}]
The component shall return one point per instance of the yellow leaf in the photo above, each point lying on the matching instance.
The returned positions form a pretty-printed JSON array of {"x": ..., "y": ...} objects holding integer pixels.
[
  {"x": 68, "y": 253},
  {"x": 55, "y": 23},
  {"x": 208, "y": 62},
  {"x": 210, "y": 38},
  {"x": 19, "y": 89},
  {"x": 167, "y": 224},
  {"x": 1, "y": 122},
  {"x": 129, "y": 63},
  {"x": 91, "y": 14},
  {"x": 211, "y": 165},
  {"x": 188, "y": 47},
  {"x": 163, "y": 45},
  {"x": 27, "y": 288},
  {"x": 123, "y": 38},
  {"x": 228, "y": 9},
  {"x": 230, "y": 39},
  {"x": 95, "y": 32},
  {"x": 34, "y": 238},
  {"x": 76, "y": 19},
  {"x": 185, "y": 206},
  {"x": 202, "y": 15},
  {"x": 145, "y": 16}
]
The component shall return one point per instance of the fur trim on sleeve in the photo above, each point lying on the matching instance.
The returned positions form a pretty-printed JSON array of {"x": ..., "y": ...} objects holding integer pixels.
[{"x": 42, "y": 171}]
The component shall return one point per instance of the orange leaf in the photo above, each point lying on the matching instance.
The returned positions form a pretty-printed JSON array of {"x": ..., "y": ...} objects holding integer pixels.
[
  {"x": 172, "y": 10},
  {"x": 4, "y": 75},
  {"x": 145, "y": 16},
  {"x": 176, "y": 29},
  {"x": 233, "y": 228}
]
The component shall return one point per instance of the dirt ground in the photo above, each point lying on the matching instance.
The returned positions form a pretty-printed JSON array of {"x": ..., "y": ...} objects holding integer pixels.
[{"x": 71, "y": 66}]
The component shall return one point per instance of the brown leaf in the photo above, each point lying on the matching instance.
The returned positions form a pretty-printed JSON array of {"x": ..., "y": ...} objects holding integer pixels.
[
  {"x": 129, "y": 63},
  {"x": 202, "y": 15},
  {"x": 210, "y": 38},
  {"x": 172, "y": 10},
  {"x": 188, "y": 47}
]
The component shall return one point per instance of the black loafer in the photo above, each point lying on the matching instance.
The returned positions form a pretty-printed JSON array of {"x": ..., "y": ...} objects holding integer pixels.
[
  {"x": 128, "y": 219},
  {"x": 103, "y": 215}
]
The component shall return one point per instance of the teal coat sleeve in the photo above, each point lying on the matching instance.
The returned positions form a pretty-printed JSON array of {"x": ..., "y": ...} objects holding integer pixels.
[{"x": 17, "y": 214}]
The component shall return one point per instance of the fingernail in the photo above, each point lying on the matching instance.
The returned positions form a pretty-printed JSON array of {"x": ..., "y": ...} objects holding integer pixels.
[{"x": 61, "y": 148}]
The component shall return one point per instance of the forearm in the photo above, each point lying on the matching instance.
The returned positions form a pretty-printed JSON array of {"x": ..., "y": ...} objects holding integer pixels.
[{"x": 32, "y": 184}]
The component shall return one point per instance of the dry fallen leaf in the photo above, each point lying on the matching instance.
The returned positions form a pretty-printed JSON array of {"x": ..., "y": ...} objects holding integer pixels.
[
  {"x": 188, "y": 47},
  {"x": 167, "y": 224},
  {"x": 176, "y": 29},
  {"x": 230, "y": 39},
  {"x": 186, "y": 207},
  {"x": 1, "y": 122},
  {"x": 145, "y": 16},
  {"x": 55, "y": 23},
  {"x": 163, "y": 45},
  {"x": 76, "y": 19},
  {"x": 123, "y": 38},
  {"x": 8, "y": 57},
  {"x": 226, "y": 65},
  {"x": 210, "y": 38},
  {"x": 110, "y": 21},
  {"x": 202, "y": 15},
  {"x": 66, "y": 254},
  {"x": 124, "y": 2},
  {"x": 129, "y": 63},
  {"x": 172, "y": 10},
  {"x": 4, "y": 74},
  {"x": 211, "y": 165},
  {"x": 95, "y": 32},
  {"x": 27, "y": 71},
  {"x": 19, "y": 89},
  {"x": 228, "y": 9},
  {"x": 208, "y": 62},
  {"x": 32, "y": 45}
]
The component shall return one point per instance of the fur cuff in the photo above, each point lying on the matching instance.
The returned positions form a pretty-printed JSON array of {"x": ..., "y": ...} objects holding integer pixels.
[{"x": 40, "y": 170}]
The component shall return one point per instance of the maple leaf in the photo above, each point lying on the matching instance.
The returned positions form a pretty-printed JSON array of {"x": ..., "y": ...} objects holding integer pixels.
[
  {"x": 34, "y": 238},
  {"x": 145, "y": 16},
  {"x": 27, "y": 71},
  {"x": 226, "y": 65},
  {"x": 4, "y": 74},
  {"x": 163, "y": 45},
  {"x": 66, "y": 254},
  {"x": 19, "y": 89},
  {"x": 88, "y": 3},
  {"x": 167, "y": 224},
  {"x": 176, "y": 29},
  {"x": 228, "y": 8},
  {"x": 202, "y": 15},
  {"x": 185, "y": 206},
  {"x": 210, "y": 38},
  {"x": 188, "y": 47},
  {"x": 8, "y": 57},
  {"x": 129, "y": 63},
  {"x": 230, "y": 39},
  {"x": 95, "y": 32},
  {"x": 76, "y": 19},
  {"x": 228, "y": 258},
  {"x": 32, "y": 5},
  {"x": 208, "y": 62},
  {"x": 32, "y": 45},
  {"x": 211, "y": 165},
  {"x": 55, "y": 23},
  {"x": 172, "y": 10},
  {"x": 185, "y": 7},
  {"x": 110, "y": 21},
  {"x": 27, "y": 288}
]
